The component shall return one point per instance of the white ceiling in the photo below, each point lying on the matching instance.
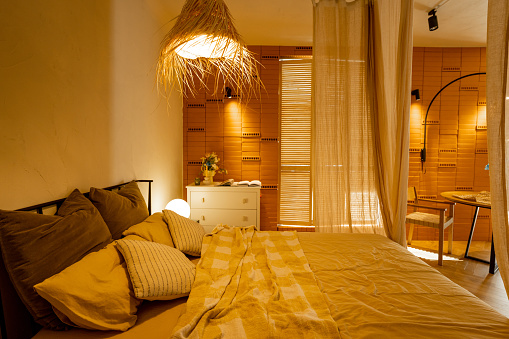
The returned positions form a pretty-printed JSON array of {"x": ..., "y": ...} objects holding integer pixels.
[{"x": 462, "y": 23}]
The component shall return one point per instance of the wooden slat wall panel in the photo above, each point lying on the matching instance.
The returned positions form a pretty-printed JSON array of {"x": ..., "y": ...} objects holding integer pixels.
[
  {"x": 235, "y": 129},
  {"x": 268, "y": 209},
  {"x": 456, "y": 145},
  {"x": 458, "y": 118}
]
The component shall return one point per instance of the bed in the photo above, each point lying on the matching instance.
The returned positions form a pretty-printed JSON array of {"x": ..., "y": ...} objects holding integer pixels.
[{"x": 346, "y": 285}]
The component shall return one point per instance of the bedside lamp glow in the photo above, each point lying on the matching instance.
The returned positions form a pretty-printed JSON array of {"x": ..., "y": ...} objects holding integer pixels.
[{"x": 179, "y": 206}]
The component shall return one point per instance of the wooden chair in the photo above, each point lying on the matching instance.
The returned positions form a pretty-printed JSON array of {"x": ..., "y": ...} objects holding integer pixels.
[{"x": 439, "y": 221}]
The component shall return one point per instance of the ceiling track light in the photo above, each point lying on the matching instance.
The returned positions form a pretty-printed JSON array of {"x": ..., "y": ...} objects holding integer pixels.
[{"x": 433, "y": 20}]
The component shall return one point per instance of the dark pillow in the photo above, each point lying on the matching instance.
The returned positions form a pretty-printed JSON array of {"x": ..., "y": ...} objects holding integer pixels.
[
  {"x": 36, "y": 246},
  {"x": 121, "y": 209}
]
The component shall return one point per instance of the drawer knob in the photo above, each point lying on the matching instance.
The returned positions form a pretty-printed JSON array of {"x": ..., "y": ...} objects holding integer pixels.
[
  {"x": 202, "y": 199},
  {"x": 202, "y": 217},
  {"x": 244, "y": 201},
  {"x": 244, "y": 218}
]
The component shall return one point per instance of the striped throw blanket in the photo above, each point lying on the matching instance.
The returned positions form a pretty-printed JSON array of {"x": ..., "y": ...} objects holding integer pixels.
[{"x": 252, "y": 284}]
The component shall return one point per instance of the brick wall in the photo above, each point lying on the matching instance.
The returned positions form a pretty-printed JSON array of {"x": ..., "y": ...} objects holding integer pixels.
[
  {"x": 245, "y": 135},
  {"x": 456, "y": 133}
]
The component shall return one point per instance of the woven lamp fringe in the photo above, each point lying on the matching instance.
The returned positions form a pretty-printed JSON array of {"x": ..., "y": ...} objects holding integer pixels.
[{"x": 230, "y": 62}]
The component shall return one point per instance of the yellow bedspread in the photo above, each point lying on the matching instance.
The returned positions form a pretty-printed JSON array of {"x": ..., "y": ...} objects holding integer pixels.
[
  {"x": 377, "y": 289},
  {"x": 373, "y": 286},
  {"x": 252, "y": 284}
]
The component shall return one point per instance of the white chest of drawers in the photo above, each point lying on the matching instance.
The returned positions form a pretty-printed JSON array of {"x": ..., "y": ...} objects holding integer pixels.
[{"x": 233, "y": 206}]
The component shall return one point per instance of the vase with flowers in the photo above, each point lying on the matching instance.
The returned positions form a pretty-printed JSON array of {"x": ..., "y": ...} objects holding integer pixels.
[{"x": 209, "y": 167}]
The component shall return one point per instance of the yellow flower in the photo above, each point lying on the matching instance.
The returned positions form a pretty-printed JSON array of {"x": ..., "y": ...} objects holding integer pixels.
[{"x": 209, "y": 163}]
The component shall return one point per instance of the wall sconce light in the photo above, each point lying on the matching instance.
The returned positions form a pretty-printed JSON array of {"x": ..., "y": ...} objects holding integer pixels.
[
  {"x": 179, "y": 206},
  {"x": 433, "y": 20},
  {"x": 417, "y": 94},
  {"x": 228, "y": 93},
  {"x": 205, "y": 42}
]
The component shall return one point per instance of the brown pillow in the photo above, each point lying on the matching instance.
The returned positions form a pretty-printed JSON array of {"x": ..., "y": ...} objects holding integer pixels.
[
  {"x": 35, "y": 247},
  {"x": 120, "y": 209}
]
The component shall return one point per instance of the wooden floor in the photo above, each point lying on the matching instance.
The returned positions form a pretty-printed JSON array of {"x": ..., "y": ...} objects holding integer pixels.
[{"x": 470, "y": 274}]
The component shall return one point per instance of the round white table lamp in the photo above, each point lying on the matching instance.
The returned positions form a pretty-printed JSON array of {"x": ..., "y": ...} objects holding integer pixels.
[{"x": 179, "y": 206}]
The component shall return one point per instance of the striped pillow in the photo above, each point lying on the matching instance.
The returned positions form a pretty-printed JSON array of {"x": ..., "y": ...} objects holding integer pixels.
[
  {"x": 157, "y": 271},
  {"x": 187, "y": 235}
]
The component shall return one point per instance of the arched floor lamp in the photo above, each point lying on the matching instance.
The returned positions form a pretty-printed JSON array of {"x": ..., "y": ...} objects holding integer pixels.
[
  {"x": 423, "y": 150},
  {"x": 493, "y": 266}
]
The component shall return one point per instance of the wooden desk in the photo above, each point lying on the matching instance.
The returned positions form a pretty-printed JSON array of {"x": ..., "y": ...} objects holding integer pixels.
[{"x": 450, "y": 196}]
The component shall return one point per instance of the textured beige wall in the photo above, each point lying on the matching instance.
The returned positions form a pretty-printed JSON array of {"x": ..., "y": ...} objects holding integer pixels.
[{"x": 78, "y": 101}]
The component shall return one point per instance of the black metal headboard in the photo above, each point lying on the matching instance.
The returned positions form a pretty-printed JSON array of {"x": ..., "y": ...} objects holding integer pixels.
[
  {"x": 40, "y": 207},
  {"x": 15, "y": 320}
]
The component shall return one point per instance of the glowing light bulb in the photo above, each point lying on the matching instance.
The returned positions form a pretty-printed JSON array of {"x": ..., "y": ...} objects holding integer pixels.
[
  {"x": 207, "y": 46},
  {"x": 179, "y": 206}
]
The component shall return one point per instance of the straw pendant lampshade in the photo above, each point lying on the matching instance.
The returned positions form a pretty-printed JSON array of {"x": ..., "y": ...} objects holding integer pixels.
[{"x": 204, "y": 42}]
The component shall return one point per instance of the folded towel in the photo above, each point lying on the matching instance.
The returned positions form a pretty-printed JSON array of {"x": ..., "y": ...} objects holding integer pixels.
[{"x": 466, "y": 196}]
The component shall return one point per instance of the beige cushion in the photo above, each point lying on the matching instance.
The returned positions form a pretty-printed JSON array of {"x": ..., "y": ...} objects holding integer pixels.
[
  {"x": 157, "y": 271},
  {"x": 154, "y": 228},
  {"x": 36, "y": 246},
  {"x": 427, "y": 219},
  {"x": 120, "y": 209},
  {"x": 187, "y": 234},
  {"x": 94, "y": 293}
]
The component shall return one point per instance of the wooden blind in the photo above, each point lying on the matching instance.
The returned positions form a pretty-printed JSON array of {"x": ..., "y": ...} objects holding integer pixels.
[{"x": 295, "y": 145}]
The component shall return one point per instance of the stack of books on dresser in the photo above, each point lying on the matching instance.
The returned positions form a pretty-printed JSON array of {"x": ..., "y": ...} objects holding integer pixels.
[
  {"x": 228, "y": 182},
  {"x": 245, "y": 183},
  {"x": 254, "y": 183}
]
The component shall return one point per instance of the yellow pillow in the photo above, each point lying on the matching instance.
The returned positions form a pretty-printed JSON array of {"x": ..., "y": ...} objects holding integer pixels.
[
  {"x": 153, "y": 228},
  {"x": 187, "y": 234},
  {"x": 94, "y": 293},
  {"x": 157, "y": 271}
]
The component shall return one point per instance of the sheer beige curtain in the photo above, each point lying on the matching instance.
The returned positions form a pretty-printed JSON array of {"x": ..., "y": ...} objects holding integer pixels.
[
  {"x": 361, "y": 100},
  {"x": 497, "y": 59}
]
